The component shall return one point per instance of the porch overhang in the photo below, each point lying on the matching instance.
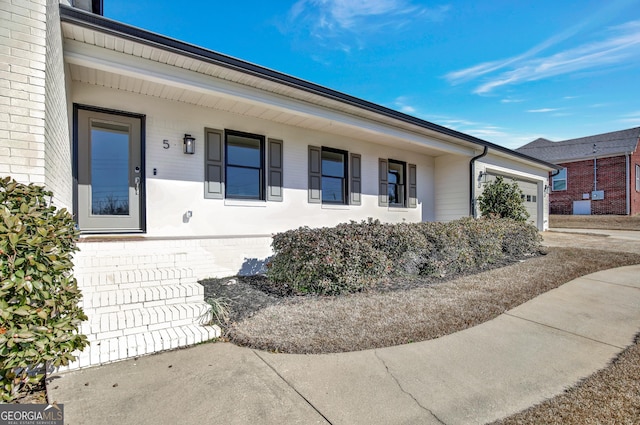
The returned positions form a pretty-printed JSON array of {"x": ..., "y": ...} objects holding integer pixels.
[{"x": 103, "y": 52}]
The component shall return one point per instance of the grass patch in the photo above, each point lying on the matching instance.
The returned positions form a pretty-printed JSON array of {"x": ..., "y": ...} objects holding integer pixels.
[
  {"x": 429, "y": 309},
  {"x": 609, "y": 222}
]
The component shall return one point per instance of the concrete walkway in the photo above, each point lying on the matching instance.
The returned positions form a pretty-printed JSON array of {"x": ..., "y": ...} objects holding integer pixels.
[{"x": 522, "y": 357}]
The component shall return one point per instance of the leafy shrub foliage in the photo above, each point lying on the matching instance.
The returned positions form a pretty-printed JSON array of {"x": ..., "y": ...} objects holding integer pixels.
[
  {"x": 39, "y": 312},
  {"x": 503, "y": 200},
  {"x": 351, "y": 257}
]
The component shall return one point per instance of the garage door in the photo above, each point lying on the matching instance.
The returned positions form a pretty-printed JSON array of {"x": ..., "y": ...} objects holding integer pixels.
[{"x": 530, "y": 195}]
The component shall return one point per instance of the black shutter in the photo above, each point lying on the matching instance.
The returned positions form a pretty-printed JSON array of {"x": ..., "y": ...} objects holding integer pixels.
[
  {"x": 214, "y": 164},
  {"x": 413, "y": 186},
  {"x": 383, "y": 176},
  {"x": 315, "y": 175},
  {"x": 274, "y": 182},
  {"x": 356, "y": 180}
]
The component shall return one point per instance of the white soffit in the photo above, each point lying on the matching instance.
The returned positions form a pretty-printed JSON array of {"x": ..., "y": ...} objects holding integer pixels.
[{"x": 105, "y": 60}]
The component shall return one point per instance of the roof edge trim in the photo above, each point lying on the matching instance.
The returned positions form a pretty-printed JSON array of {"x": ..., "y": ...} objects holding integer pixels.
[{"x": 119, "y": 29}]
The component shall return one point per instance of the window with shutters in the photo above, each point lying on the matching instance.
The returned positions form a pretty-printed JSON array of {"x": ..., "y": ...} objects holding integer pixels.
[
  {"x": 334, "y": 176},
  {"x": 237, "y": 166},
  {"x": 637, "y": 178},
  {"x": 244, "y": 166},
  {"x": 397, "y": 184}
]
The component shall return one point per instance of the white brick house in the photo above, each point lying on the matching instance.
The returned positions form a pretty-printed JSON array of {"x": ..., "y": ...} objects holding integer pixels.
[{"x": 99, "y": 112}]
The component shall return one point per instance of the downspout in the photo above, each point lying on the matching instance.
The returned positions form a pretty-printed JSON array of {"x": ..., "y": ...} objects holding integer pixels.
[
  {"x": 628, "y": 164},
  {"x": 472, "y": 181},
  {"x": 550, "y": 185}
]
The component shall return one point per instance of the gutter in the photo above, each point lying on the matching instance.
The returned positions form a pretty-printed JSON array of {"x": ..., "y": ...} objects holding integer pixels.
[
  {"x": 117, "y": 29},
  {"x": 628, "y": 185},
  {"x": 472, "y": 181}
]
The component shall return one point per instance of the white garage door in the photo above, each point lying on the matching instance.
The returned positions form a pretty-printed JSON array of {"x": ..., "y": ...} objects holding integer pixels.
[{"x": 530, "y": 194}]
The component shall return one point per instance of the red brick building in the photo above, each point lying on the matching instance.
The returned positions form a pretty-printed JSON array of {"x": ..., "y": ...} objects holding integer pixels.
[{"x": 601, "y": 173}]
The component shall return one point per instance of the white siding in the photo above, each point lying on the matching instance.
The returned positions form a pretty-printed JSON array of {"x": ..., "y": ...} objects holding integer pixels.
[
  {"x": 178, "y": 186},
  {"x": 452, "y": 199}
]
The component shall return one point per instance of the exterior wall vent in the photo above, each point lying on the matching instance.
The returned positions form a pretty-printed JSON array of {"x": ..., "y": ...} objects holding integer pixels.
[{"x": 93, "y": 6}]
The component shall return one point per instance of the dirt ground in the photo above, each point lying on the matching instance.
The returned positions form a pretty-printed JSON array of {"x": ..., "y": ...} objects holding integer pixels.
[{"x": 615, "y": 242}]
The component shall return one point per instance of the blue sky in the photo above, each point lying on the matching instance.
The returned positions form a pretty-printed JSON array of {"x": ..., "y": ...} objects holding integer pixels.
[{"x": 504, "y": 71}]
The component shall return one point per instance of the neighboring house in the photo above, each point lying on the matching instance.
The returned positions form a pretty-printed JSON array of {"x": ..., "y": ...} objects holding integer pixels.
[
  {"x": 600, "y": 174},
  {"x": 179, "y": 163}
]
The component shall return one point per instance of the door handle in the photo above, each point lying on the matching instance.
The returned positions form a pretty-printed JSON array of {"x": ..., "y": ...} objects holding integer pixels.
[{"x": 137, "y": 182}]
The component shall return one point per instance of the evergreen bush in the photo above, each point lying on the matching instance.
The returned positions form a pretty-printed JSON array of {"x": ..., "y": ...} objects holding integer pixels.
[
  {"x": 352, "y": 256},
  {"x": 39, "y": 312},
  {"x": 503, "y": 200}
]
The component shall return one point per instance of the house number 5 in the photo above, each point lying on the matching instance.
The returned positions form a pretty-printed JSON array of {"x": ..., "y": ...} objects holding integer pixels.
[{"x": 165, "y": 144}]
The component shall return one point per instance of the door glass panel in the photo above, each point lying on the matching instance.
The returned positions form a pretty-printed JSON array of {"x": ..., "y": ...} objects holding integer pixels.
[{"x": 109, "y": 169}]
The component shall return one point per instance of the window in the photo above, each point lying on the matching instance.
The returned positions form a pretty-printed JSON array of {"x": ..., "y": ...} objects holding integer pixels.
[
  {"x": 334, "y": 176},
  {"x": 244, "y": 166},
  {"x": 637, "y": 178},
  {"x": 395, "y": 183},
  {"x": 237, "y": 167},
  {"x": 559, "y": 181}
]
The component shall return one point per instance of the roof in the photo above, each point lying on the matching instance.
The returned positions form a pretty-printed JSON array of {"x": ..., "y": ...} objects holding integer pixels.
[
  {"x": 118, "y": 29},
  {"x": 616, "y": 143}
]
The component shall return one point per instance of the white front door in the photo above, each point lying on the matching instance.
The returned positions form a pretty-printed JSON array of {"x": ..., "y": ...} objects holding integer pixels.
[{"x": 109, "y": 172}]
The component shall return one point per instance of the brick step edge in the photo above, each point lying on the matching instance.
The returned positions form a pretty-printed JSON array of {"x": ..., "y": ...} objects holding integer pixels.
[
  {"x": 109, "y": 350},
  {"x": 124, "y": 297},
  {"x": 136, "y": 277},
  {"x": 148, "y": 318}
]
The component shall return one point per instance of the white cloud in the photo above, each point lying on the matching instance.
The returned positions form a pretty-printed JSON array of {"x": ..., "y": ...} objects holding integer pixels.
[
  {"x": 328, "y": 19},
  {"x": 511, "y": 100},
  {"x": 543, "y": 110},
  {"x": 632, "y": 118},
  {"x": 619, "y": 44}
]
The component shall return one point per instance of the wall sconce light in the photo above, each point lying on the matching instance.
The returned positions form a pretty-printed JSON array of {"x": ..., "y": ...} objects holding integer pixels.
[
  {"x": 189, "y": 144},
  {"x": 482, "y": 178},
  {"x": 546, "y": 189}
]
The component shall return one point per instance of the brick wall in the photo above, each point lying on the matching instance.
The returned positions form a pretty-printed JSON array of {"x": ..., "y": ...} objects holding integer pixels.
[
  {"x": 57, "y": 162},
  {"x": 611, "y": 177},
  {"x": 22, "y": 81},
  {"x": 635, "y": 195},
  {"x": 34, "y": 128}
]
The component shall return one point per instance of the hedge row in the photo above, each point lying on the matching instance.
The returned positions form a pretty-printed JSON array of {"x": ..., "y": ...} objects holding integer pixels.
[{"x": 352, "y": 256}]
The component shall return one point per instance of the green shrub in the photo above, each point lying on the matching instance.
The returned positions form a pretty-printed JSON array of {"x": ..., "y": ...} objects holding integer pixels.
[
  {"x": 39, "y": 312},
  {"x": 503, "y": 200},
  {"x": 351, "y": 257}
]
